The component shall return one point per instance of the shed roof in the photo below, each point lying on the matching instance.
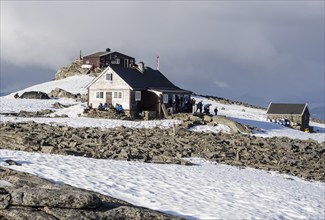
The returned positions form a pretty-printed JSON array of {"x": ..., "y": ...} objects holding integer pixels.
[
  {"x": 286, "y": 109},
  {"x": 149, "y": 79}
]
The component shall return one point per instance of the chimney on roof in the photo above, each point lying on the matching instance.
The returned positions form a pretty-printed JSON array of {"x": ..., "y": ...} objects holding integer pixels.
[
  {"x": 108, "y": 49},
  {"x": 141, "y": 66}
]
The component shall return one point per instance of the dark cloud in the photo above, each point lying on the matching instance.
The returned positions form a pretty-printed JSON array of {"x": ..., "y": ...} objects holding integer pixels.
[
  {"x": 14, "y": 78},
  {"x": 255, "y": 51}
]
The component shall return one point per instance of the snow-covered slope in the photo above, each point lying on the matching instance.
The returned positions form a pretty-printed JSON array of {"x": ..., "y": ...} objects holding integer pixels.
[
  {"x": 205, "y": 191},
  {"x": 73, "y": 84},
  {"x": 257, "y": 118}
]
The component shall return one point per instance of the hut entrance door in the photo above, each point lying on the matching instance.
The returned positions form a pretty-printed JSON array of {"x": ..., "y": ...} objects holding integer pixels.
[{"x": 109, "y": 97}]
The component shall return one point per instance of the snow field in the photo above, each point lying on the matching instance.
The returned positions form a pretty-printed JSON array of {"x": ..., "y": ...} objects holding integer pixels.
[{"x": 205, "y": 191}]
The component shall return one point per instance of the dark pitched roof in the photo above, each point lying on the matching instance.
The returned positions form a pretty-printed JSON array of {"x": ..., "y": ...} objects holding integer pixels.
[
  {"x": 149, "y": 79},
  {"x": 99, "y": 54},
  {"x": 286, "y": 109},
  {"x": 122, "y": 54}
]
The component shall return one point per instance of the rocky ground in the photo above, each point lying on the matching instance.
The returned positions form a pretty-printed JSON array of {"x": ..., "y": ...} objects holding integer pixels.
[
  {"x": 300, "y": 158},
  {"x": 24, "y": 196}
]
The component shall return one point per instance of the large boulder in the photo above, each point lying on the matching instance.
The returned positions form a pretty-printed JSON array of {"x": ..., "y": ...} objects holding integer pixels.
[
  {"x": 234, "y": 126},
  {"x": 61, "y": 93},
  {"x": 34, "y": 95}
]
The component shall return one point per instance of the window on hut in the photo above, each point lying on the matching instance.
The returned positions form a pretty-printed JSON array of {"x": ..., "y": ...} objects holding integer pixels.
[
  {"x": 118, "y": 95},
  {"x": 99, "y": 95},
  {"x": 165, "y": 98},
  {"x": 109, "y": 76},
  {"x": 137, "y": 95}
]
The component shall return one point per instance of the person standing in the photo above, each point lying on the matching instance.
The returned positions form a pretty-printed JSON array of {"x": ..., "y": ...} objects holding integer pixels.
[
  {"x": 193, "y": 105},
  {"x": 199, "y": 106},
  {"x": 216, "y": 110}
]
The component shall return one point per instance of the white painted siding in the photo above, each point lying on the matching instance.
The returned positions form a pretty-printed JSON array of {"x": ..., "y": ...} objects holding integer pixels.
[{"x": 114, "y": 85}]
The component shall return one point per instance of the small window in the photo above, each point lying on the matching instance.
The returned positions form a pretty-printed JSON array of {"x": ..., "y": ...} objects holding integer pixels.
[
  {"x": 137, "y": 95},
  {"x": 118, "y": 95},
  {"x": 109, "y": 76},
  {"x": 99, "y": 95},
  {"x": 165, "y": 98},
  {"x": 117, "y": 60}
]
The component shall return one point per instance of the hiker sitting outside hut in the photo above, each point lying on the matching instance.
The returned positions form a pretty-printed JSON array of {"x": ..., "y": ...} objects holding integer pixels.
[
  {"x": 89, "y": 109},
  {"x": 119, "y": 108},
  {"x": 105, "y": 106},
  {"x": 100, "y": 107}
]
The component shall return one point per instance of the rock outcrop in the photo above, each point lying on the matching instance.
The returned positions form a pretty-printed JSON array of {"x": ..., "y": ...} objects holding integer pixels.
[
  {"x": 25, "y": 196},
  {"x": 34, "y": 95},
  {"x": 292, "y": 156},
  {"x": 71, "y": 70},
  {"x": 61, "y": 93},
  {"x": 75, "y": 69},
  {"x": 234, "y": 126},
  {"x": 202, "y": 119}
]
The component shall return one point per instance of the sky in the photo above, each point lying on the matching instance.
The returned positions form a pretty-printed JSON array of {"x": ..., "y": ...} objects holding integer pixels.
[{"x": 252, "y": 51}]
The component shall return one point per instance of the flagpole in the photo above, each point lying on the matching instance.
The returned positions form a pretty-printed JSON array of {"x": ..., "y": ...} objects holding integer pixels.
[{"x": 157, "y": 62}]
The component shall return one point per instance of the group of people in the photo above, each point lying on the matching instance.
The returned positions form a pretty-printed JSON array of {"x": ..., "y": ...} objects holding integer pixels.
[
  {"x": 190, "y": 105},
  {"x": 206, "y": 108},
  {"x": 182, "y": 104},
  {"x": 104, "y": 107},
  {"x": 118, "y": 107}
]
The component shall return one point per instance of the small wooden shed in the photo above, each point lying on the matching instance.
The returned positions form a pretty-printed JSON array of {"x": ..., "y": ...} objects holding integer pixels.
[{"x": 297, "y": 114}]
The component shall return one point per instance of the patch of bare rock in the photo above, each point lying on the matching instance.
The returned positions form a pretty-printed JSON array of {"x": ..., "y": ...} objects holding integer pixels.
[
  {"x": 305, "y": 159},
  {"x": 74, "y": 69},
  {"x": 24, "y": 196}
]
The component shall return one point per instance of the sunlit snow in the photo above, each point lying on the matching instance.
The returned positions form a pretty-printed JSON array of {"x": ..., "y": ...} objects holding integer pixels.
[{"x": 205, "y": 191}]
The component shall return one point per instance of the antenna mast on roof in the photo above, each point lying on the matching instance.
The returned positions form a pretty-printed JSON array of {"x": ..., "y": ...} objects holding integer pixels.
[
  {"x": 80, "y": 57},
  {"x": 157, "y": 62}
]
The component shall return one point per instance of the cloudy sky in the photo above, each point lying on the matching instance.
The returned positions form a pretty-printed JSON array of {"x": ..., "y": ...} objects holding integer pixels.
[{"x": 253, "y": 51}]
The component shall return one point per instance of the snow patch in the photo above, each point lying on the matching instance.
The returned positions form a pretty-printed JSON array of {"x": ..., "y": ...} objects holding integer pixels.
[{"x": 205, "y": 191}]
